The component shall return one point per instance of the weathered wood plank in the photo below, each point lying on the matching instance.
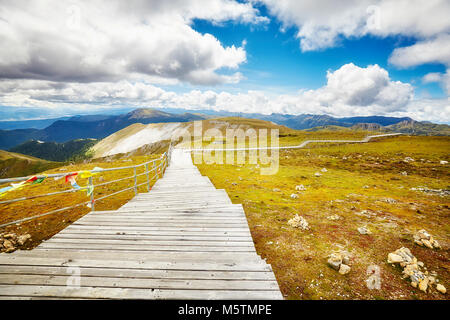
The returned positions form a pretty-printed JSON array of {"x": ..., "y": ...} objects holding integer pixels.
[
  {"x": 120, "y": 293},
  {"x": 114, "y": 282},
  {"x": 142, "y": 242},
  {"x": 135, "y": 263},
  {"x": 138, "y": 273}
]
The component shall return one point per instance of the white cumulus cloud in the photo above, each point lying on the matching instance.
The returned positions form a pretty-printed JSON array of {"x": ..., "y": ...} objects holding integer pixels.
[
  {"x": 350, "y": 91},
  {"x": 90, "y": 41},
  {"x": 321, "y": 23}
]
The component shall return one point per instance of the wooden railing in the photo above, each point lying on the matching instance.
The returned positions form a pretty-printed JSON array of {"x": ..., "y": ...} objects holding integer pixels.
[{"x": 156, "y": 166}]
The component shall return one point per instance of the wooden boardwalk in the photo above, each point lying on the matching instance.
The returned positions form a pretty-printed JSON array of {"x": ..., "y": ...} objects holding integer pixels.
[{"x": 183, "y": 240}]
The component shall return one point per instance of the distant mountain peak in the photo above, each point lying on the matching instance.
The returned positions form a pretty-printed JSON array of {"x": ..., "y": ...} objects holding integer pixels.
[{"x": 144, "y": 113}]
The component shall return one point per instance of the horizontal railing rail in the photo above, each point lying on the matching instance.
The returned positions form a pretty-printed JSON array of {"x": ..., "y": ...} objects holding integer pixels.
[
  {"x": 158, "y": 167},
  {"x": 299, "y": 146}
]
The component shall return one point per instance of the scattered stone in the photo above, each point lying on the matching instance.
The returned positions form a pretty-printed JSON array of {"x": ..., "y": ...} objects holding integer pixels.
[
  {"x": 339, "y": 261},
  {"x": 276, "y": 190},
  {"x": 366, "y": 213},
  {"x": 294, "y": 196},
  {"x": 439, "y": 192},
  {"x": 412, "y": 269},
  {"x": 366, "y": 187},
  {"x": 408, "y": 159},
  {"x": 335, "y": 261},
  {"x": 23, "y": 238},
  {"x": 394, "y": 258},
  {"x": 8, "y": 246},
  {"x": 423, "y": 284},
  {"x": 423, "y": 238},
  {"x": 318, "y": 174},
  {"x": 389, "y": 200},
  {"x": 344, "y": 269},
  {"x": 324, "y": 170},
  {"x": 363, "y": 230},
  {"x": 298, "y": 222},
  {"x": 10, "y": 242},
  {"x": 404, "y": 173},
  {"x": 234, "y": 184},
  {"x": 441, "y": 288},
  {"x": 334, "y": 217},
  {"x": 443, "y": 162},
  {"x": 300, "y": 188}
]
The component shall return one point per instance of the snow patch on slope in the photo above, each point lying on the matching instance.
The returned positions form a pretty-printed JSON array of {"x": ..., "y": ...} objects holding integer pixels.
[{"x": 150, "y": 134}]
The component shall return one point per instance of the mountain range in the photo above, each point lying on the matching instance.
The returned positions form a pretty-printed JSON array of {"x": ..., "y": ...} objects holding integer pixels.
[
  {"x": 90, "y": 126},
  {"x": 100, "y": 126}
]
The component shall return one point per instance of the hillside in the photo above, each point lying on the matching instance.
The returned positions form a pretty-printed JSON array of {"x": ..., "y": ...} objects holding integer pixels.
[
  {"x": 17, "y": 165},
  {"x": 84, "y": 127},
  {"x": 54, "y": 151},
  {"x": 139, "y": 135},
  {"x": 420, "y": 128}
]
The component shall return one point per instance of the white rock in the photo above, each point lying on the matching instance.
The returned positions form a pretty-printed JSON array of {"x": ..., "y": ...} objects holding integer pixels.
[
  {"x": 324, "y": 170},
  {"x": 299, "y": 222},
  {"x": 363, "y": 230},
  {"x": 443, "y": 162},
  {"x": 23, "y": 238},
  {"x": 344, "y": 269},
  {"x": 441, "y": 288},
  {"x": 294, "y": 196},
  {"x": 300, "y": 188},
  {"x": 394, "y": 258}
]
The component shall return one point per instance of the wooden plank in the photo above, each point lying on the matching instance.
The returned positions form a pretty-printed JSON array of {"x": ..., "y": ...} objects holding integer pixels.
[
  {"x": 115, "y": 236},
  {"x": 114, "y": 282},
  {"x": 120, "y": 293},
  {"x": 177, "y": 215},
  {"x": 138, "y": 273},
  {"x": 142, "y": 242},
  {"x": 144, "y": 248},
  {"x": 176, "y": 232},
  {"x": 162, "y": 228},
  {"x": 225, "y": 257},
  {"x": 160, "y": 234},
  {"x": 254, "y": 266},
  {"x": 174, "y": 223},
  {"x": 167, "y": 218}
]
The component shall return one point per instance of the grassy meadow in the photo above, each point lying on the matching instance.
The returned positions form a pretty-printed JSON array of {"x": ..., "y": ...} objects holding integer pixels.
[{"x": 363, "y": 186}]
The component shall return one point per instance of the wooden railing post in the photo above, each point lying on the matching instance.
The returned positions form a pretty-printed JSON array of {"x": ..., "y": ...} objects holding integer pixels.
[
  {"x": 91, "y": 184},
  {"x": 155, "y": 170},
  {"x": 148, "y": 178},
  {"x": 135, "y": 182}
]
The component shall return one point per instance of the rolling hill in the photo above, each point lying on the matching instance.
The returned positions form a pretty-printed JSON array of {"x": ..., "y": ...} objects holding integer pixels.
[
  {"x": 137, "y": 136},
  {"x": 16, "y": 165},
  {"x": 54, "y": 151},
  {"x": 420, "y": 128}
]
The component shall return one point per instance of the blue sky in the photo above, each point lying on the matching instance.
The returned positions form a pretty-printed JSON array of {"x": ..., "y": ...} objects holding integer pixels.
[
  {"x": 352, "y": 58},
  {"x": 275, "y": 60}
]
